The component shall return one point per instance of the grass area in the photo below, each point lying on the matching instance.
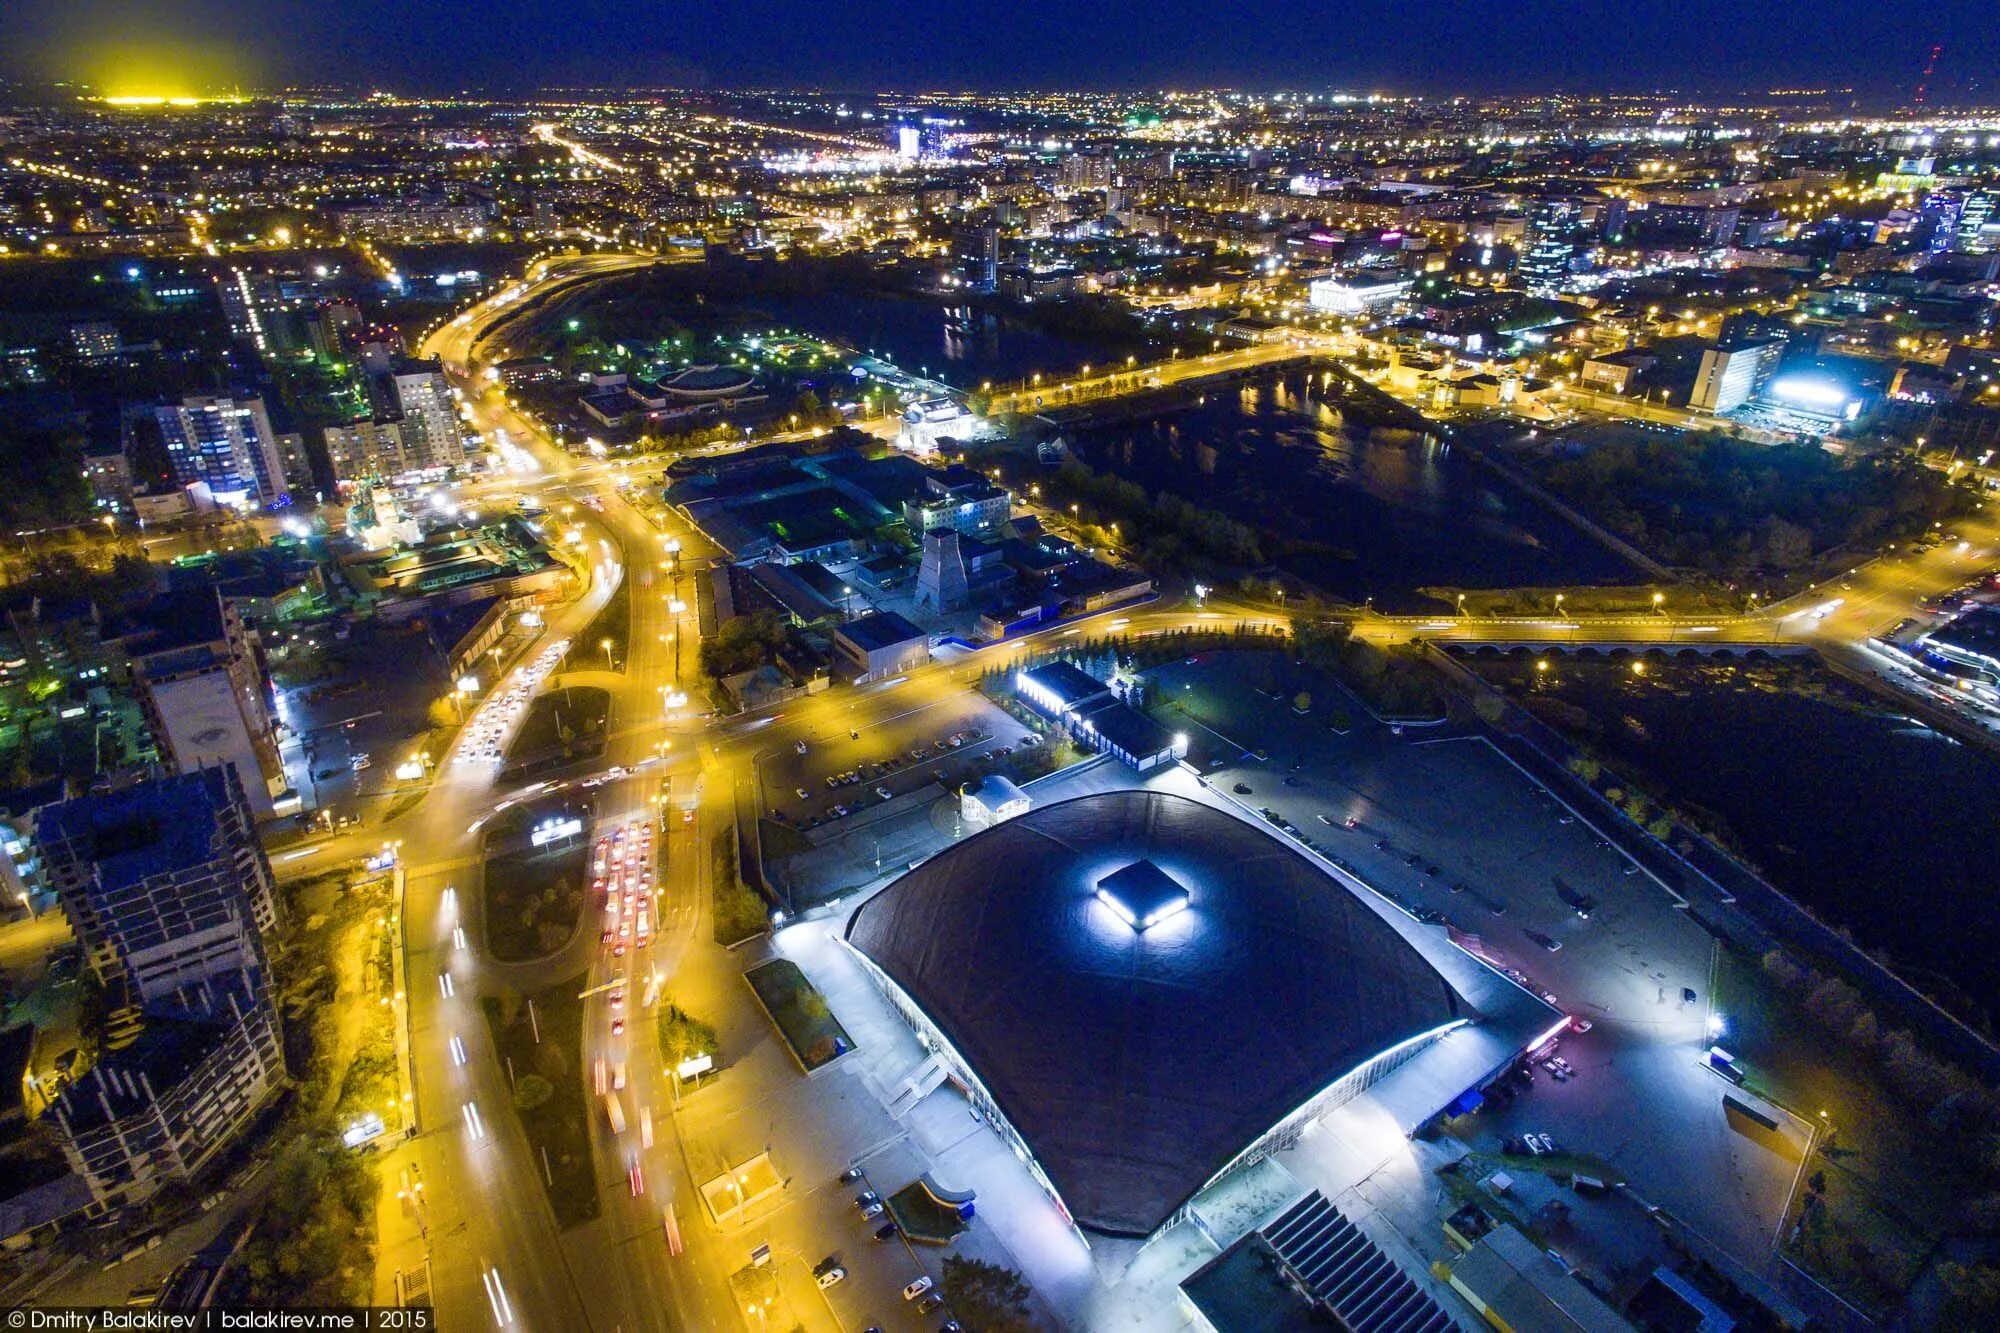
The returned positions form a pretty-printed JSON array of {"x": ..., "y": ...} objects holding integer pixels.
[
  {"x": 532, "y": 897},
  {"x": 1737, "y": 508},
  {"x": 739, "y": 912},
  {"x": 800, "y": 1013},
  {"x": 561, "y": 726},
  {"x": 314, "y": 1238},
  {"x": 682, "y": 1035},
  {"x": 1897, "y": 1176},
  {"x": 1393, "y": 682},
  {"x": 549, "y": 1089},
  {"x": 332, "y": 977}
]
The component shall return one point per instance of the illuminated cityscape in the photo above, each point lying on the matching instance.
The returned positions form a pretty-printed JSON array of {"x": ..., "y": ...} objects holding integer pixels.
[{"x": 637, "y": 692}]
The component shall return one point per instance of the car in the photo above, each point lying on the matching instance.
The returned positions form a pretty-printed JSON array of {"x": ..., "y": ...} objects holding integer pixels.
[
  {"x": 950, "y": 1326},
  {"x": 884, "y": 793},
  {"x": 800, "y": 747},
  {"x": 870, "y": 1212},
  {"x": 1548, "y": 1144},
  {"x": 887, "y": 1231},
  {"x": 804, "y": 795},
  {"x": 917, "y": 1288},
  {"x": 1241, "y": 789},
  {"x": 618, "y": 997},
  {"x": 930, "y": 1304},
  {"x": 850, "y": 1175},
  {"x": 1579, "y": 1025},
  {"x": 608, "y": 937},
  {"x": 866, "y": 1197},
  {"x": 1325, "y": 819},
  {"x": 617, "y": 1027},
  {"x": 830, "y": 1276},
  {"x": 1548, "y": 942}
]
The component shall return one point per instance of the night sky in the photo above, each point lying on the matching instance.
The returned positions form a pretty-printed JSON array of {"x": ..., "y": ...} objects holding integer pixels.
[{"x": 1390, "y": 45}]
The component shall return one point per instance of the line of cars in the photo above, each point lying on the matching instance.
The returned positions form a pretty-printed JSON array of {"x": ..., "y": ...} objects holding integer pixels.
[
  {"x": 621, "y": 868},
  {"x": 494, "y": 720},
  {"x": 871, "y": 772},
  {"x": 921, "y": 1289}
]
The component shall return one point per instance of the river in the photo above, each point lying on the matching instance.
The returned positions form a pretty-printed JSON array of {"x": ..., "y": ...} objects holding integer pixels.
[{"x": 1369, "y": 512}]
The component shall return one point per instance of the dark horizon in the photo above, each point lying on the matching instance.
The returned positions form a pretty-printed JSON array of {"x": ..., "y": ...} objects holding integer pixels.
[{"x": 1701, "y": 48}]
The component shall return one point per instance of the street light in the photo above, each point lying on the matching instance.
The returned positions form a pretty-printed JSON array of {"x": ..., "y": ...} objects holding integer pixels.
[{"x": 605, "y": 644}]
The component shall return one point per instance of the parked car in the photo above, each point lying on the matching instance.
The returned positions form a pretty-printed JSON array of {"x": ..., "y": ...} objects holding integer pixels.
[{"x": 917, "y": 1288}]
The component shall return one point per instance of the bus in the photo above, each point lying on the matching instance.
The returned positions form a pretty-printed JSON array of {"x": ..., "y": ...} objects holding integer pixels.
[{"x": 615, "y": 1110}]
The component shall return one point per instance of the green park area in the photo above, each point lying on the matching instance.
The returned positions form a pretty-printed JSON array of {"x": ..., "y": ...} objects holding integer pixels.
[
  {"x": 800, "y": 1013},
  {"x": 1735, "y": 508},
  {"x": 533, "y": 897},
  {"x": 539, "y": 1038},
  {"x": 739, "y": 912},
  {"x": 562, "y": 727}
]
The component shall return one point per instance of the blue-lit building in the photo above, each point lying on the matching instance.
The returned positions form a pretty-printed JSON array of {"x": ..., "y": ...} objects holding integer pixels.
[
  {"x": 226, "y": 445},
  {"x": 169, "y": 893}
]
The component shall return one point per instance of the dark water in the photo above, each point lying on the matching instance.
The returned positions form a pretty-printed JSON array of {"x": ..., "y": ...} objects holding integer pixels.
[
  {"x": 1869, "y": 820},
  {"x": 958, "y": 345},
  {"x": 1374, "y": 512}
]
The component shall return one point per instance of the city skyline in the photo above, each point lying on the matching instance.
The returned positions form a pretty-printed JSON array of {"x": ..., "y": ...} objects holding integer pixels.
[
  {"x": 1877, "y": 53},
  {"x": 999, "y": 712}
]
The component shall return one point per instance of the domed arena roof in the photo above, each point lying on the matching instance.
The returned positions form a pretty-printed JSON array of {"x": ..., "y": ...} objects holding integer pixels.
[{"x": 1146, "y": 985}]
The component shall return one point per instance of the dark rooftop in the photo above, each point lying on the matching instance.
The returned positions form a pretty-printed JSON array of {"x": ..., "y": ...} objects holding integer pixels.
[
  {"x": 144, "y": 830},
  {"x": 1136, "y": 1065},
  {"x": 883, "y": 629}
]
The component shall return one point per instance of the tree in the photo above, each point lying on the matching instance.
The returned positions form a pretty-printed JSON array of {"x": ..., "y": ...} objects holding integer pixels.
[
  {"x": 1491, "y": 708},
  {"x": 532, "y": 1092},
  {"x": 682, "y": 1036},
  {"x": 1302, "y": 702},
  {"x": 986, "y": 1298},
  {"x": 1972, "y": 1295},
  {"x": 441, "y": 713},
  {"x": 1786, "y": 545}
]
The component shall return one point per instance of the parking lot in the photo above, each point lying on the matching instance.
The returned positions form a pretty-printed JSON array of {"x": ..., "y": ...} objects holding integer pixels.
[
  {"x": 1447, "y": 828},
  {"x": 839, "y": 773}
]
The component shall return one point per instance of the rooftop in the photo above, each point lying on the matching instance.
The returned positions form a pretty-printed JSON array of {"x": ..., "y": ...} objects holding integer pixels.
[
  {"x": 883, "y": 629},
  {"x": 1137, "y": 1065},
  {"x": 138, "y": 832}
]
